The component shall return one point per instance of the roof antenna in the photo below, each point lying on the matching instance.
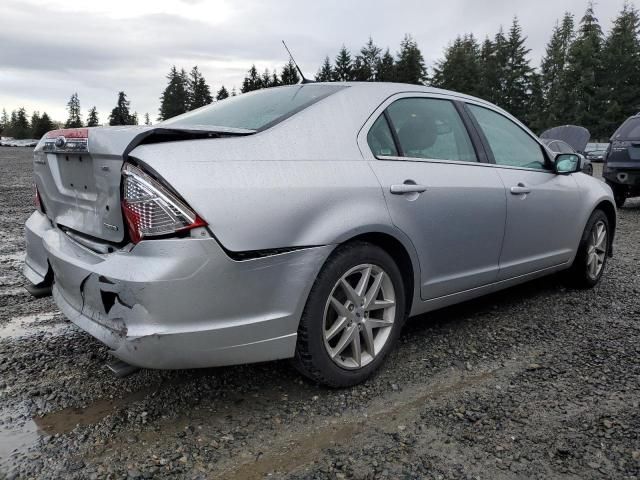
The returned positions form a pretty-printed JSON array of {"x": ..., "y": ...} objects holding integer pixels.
[{"x": 304, "y": 80}]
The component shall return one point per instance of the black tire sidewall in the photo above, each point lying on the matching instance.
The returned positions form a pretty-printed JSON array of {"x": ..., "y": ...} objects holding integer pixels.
[
  {"x": 580, "y": 268},
  {"x": 343, "y": 259}
]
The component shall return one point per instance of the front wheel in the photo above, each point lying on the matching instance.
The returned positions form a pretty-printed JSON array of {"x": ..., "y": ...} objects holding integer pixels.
[
  {"x": 591, "y": 258},
  {"x": 352, "y": 318}
]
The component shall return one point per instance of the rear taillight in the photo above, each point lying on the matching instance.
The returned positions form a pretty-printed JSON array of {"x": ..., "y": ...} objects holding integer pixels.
[{"x": 151, "y": 209}]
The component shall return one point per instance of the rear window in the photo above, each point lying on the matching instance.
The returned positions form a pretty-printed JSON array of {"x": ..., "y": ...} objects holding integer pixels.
[
  {"x": 255, "y": 110},
  {"x": 629, "y": 130}
]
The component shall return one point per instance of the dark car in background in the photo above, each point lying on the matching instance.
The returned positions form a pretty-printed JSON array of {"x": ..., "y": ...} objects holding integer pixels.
[
  {"x": 622, "y": 161},
  {"x": 596, "y": 155}
]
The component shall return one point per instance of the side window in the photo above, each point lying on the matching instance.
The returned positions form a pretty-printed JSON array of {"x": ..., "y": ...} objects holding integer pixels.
[
  {"x": 430, "y": 128},
  {"x": 380, "y": 139},
  {"x": 510, "y": 144}
]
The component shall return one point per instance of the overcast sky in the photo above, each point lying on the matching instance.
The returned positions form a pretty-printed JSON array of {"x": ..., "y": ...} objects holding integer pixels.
[{"x": 51, "y": 48}]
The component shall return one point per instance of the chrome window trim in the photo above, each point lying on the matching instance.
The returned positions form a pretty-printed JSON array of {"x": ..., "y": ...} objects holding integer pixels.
[{"x": 390, "y": 158}]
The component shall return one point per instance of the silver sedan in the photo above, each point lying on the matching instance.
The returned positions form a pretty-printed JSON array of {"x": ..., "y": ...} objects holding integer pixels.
[{"x": 304, "y": 222}]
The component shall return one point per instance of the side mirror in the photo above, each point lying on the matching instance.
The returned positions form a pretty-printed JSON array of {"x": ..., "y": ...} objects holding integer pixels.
[{"x": 566, "y": 163}]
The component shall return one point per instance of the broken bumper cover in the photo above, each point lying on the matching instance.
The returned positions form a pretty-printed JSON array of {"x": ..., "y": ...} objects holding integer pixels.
[{"x": 180, "y": 303}]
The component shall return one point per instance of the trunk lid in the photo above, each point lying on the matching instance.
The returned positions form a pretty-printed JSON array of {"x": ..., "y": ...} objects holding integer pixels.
[{"x": 78, "y": 173}]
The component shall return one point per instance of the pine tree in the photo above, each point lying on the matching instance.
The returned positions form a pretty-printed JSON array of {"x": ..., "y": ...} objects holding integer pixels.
[
  {"x": 92, "y": 118},
  {"x": 365, "y": 64},
  {"x": 325, "y": 73},
  {"x": 199, "y": 93},
  {"x": 343, "y": 66},
  {"x": 222, "y": 93},
  {"x": 175, "y": 99},
  {"x": 120, "y": 114},
  {"x": 35, "y": 121},
  {"x": 517, "y": 79},
  {"x": 289, "y": 75},
  {"x": 553, "y": 67},
  {"x": 4, "y": 121},
  {"x": 536, "y": 118},
  {"x": 233, "y": 92},
  {"x": 275, "y": 80},
  {"x": 621, "y": 71},
  {"x": 41, "y": 126},
  {"x": 19, "y": 127},
  {"x": 386, "y": 68},
  {"x": 73, "y": 106},
  {"x": 410, "y": 66},
  {"x": 147, "y": 119},
  {"x": 251, "y": 81},
  {"x": 583, "y": 73},
  {"x": 492, "y": 67},
  {"x": 460, "y": 68}
]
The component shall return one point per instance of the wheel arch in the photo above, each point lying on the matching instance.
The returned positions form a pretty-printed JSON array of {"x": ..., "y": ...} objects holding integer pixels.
[
  {"x": 610, "y": 211},
  {"x": 402, "y": 252}
]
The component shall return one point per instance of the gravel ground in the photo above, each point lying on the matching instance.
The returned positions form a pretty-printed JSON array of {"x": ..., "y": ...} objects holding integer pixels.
[{"x": 537, "y": 381}]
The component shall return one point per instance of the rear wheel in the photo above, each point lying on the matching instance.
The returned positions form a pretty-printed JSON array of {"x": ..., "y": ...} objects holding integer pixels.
[
  {"x": 591, "y": 258},
  {"x": 352, "y": 318}
]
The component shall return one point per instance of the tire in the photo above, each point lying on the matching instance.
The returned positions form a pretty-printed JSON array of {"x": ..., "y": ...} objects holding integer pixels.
[
  {"x": 321, "y": 329},
  {"x": 619, "y": 194},
  {"x": 582, "y": 273}
]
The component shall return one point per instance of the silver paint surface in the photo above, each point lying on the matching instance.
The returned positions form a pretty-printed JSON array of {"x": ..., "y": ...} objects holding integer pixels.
[{"x": 309, "y": 182}]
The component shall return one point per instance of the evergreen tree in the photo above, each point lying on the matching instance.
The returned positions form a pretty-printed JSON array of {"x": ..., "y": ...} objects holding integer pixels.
[
  {"x": 343, "y": 67},
  {"x": 252, "y": 81},
  {"x": 621, "y": 71},
  {"x": 233, "y": 92},
  {"x": 73, "y": 106},
  {"x": 553, "y": 68},
  {"x": 222, "y": 93},
  {"x": 147, "y": 119},
  {"x": 289, "y": 75},
  {"x": 92, "y": 118},
  {"x": 460, "y": 68},
  {"x": 410, "y": 66},
  {"x": 325, "y": 73},
  {"x": 583, "y": 73},
  {"x": 175, "y": 99},
  {"x": 386, "y": 68},
  {"x": 199, "y": 93},
  {"x": 35, "y": 121},
  {"x": 517, "y": 78},
  {"x": 4, "y": 121},
  {"x": 134, "y": 119},
  {"x": 19, "y": 127},
  {"x": 120, "y": 114},
  {"x": 536, "y": 117},
  {"x": 492, "y": 67},
  {"x": 275, "y": 80},
  {"x": 365, "y": 64},
  {"x": 40, "y": 127}
]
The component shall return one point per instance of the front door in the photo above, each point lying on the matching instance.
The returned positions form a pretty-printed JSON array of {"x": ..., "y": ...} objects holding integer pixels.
[{"x": 541, "y": 205}]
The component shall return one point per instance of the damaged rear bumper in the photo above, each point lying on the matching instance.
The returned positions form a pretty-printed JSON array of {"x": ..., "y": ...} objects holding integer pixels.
[{"x": 179, "y": 303}]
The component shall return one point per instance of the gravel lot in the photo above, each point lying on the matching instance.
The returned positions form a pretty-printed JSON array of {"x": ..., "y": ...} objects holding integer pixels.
[{"x": 537, "y": 381}]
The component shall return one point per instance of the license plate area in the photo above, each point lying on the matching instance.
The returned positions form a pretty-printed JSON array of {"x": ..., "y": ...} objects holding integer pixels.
[{"x": 77, "y": 175}]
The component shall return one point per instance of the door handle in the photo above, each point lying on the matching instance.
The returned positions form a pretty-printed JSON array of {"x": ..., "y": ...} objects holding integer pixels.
[
  {"x": 520, "y": 189},
  {"x": 407, "y": 188}
]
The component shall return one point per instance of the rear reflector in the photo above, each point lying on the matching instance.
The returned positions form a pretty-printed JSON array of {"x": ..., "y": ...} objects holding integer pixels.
[{"x": 152, "y": 210}]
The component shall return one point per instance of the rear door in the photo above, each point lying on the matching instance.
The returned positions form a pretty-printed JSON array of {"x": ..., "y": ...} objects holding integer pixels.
[
  {"x": 438, "y": 191},
  {"x": 542, "y": 207}
]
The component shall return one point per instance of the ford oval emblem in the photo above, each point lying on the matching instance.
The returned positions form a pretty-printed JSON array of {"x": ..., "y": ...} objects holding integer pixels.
[{"x": 60, "y": 142}]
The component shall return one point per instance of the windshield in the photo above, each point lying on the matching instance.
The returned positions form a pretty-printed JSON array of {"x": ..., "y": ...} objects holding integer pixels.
[
  {"x": 255, "y": 110},
  {"x": 630, "y": 130}
]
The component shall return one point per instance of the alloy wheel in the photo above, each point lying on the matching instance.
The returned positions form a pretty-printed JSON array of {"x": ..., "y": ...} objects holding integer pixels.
[
  {"x": 358, "y": 316},
  {"x": 596, "y": 249}
]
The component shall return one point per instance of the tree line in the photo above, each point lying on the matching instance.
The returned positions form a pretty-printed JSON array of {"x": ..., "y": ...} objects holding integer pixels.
[{"x": 585, "y": 77}]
